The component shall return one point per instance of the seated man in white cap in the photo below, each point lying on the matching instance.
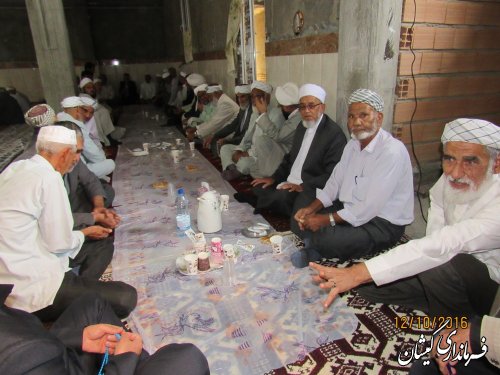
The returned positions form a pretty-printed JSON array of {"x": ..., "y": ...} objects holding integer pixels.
[
  {"x": 189, "y": 109},
  {"x": 233, "y": 133},
  {"x": 367, "y": 201},
  {"x": 75, "y": 110},
  {"x": 108, "y": 134},
  {"x": 225, "y": 112},
  {"x": 147, "y": 90},
  {"x": 455, "y": 269},
  {"x": 204, "y": 108},
  {"x": 316, "y": 150},
  {"x": 37, "y": 237},
  {"x": 269, "y": 137}
]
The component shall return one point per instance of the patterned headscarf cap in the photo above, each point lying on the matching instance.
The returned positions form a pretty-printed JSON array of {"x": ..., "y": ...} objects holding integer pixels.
[
  {"x": 472, "y": 131},
  {"x": 368, "y": 97},
  {"x": 40, "y": 115}
]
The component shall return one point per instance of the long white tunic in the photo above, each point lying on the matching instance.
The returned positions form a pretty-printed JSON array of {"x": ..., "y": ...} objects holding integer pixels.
[
  {"x": 36, "y": 236},
  {"x": 375, "y": 181},
  {"x": 472, "y": 228}
]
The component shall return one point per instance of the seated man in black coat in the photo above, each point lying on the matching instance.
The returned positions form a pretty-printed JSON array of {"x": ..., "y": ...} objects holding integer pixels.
[
  {"x": 77, "y": 340},
  {"x": 317, "y": 148}
]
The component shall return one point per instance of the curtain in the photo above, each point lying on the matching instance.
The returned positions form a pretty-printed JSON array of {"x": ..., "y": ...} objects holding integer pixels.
[{"x": 233, "y": 28}]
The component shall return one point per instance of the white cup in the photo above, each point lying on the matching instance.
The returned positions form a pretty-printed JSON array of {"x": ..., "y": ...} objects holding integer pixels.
[
  {"x": 178, "y": 141},
  {"x": 191, "y": 146},
  {"x": 224, "y": 202},
  {"x": 200, "y": 246},
  {"x": 228, "y": 250},
  {"x": 276, "y": 243},
  {"x": 191, "y": 263},
  {"x": 146, "y": 114},
  {"x": 176, "y": 155},
  {"x": 145, "y": 146}
]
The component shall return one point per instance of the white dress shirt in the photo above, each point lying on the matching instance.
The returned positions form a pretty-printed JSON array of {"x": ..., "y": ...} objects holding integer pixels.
[
  {"x": 36, "y": 236},
  {"x": 472, "y": 228},
  {"x": 295, "y": 176},
  {"x": 375, "y": 181},
  {"x": 147, "y": 90}
]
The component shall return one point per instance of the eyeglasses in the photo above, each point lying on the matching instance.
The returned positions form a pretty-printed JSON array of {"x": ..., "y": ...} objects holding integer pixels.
[{"x": 309, "y": 106}]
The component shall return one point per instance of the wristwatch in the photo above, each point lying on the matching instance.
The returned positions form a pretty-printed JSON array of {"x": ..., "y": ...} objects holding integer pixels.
[{"x": 332, "y": 219}]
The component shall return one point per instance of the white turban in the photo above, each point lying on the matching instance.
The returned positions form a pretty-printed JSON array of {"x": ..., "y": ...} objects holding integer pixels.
[
  {"x": 243, "y": 89},
  {"x": 88, "y": 101},
  {"x": 71, "y": 102},
  {"x": 57, "y": 134},
  {"x": 183, "y": 74},
  {"x": 310, "y": 89},
  {"x": 202, "y": 87},
  {"x": 259, "y": 85},
  {"x": 195, "y": 79},
  {"x": 368, "y": 97},
  {"x": 288, "y": 94},
  {"x": 214, "y": 88},
  {"x": 40, "y": 115},
  {"x": 472, "y": 131},
  {"x": 165, "y": 75},
  {"x": 85, "y": 81}
]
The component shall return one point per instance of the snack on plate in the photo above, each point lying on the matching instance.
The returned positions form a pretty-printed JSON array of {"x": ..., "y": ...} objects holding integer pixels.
[
  {"x": 162, "y": 184},
  {"x": 191, "y": 168}
]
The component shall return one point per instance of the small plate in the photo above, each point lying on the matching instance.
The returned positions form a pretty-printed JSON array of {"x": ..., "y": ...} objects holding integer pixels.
[{"x": 248, "y": 233}]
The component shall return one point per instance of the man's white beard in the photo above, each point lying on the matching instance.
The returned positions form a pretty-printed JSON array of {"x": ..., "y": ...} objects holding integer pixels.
[
  {"x": 308, "y": 123},
  {"x": 255, "y": 110},
  {"x": 215, "y": 101},
  {"x": 459, "y": 196},
  {"x": 243, "y": 106},
  {"x": 363, "y": 135}
]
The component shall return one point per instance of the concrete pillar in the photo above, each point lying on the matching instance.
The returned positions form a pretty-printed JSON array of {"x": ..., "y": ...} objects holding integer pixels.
[
  {"x": 368, "y": 52},
  {"x": 53, "y": 51}
]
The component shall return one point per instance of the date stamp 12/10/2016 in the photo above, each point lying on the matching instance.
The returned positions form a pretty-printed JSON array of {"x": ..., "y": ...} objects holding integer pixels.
[{"x": 429, "y": 323}]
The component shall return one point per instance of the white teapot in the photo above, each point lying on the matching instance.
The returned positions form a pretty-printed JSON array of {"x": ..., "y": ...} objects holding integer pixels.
[{"x": 209, "y": 212}]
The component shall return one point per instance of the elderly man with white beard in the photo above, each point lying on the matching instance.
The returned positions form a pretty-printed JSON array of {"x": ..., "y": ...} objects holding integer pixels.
[{"x": 455, "y": 269}]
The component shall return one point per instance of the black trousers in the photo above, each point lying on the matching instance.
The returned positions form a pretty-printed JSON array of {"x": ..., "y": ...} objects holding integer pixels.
[
  {"x": 122, "y": 297},
  {"x": 343, "y": 241},
  {"x": 93, "y": 258},
  {"x": 92, "y": 309},
  {"x": 460, "y": 287},
  {"x": 278, "y": 201}
]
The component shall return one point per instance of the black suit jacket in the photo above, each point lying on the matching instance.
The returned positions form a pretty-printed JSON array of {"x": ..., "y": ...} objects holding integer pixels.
[
  {"x": 324, "y": 154},
  {"x": 234, "y": 127}
]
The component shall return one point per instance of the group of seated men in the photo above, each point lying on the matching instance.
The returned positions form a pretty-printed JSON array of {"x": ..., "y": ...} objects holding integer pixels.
[
  {"x": 349, "y": 200},
  {"x": 55, "y": 244},
  {"x": 345, "y": 199}
]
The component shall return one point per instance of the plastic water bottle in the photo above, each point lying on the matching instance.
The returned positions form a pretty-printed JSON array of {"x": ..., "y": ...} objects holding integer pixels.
[
  {"x": 229, "y": 276},
  {"x": 182, "y": 217}
]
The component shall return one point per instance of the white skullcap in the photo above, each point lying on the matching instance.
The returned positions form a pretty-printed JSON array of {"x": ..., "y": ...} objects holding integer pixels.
[
  {"x": 85, "y": 81},
  {"x": 165, "y": 75},
  {"x": 9, "y": 88},
  {"x": 57, "y": 134},
  {"x": 259, "y": 85},
  {"x": 88, "y": 101},
  {"x": 183, "y": 74},
  {"x": 40, "y": 115},
  {"x": 310, "y": 89},
  {"x": 368, "y": 97},
  {"x": 97, "y": 80},
  {"x": 71, "y": 102},
  {"x": 288, "y": 94},
  {"x": 243, "y": 89},
  {"x": 195, "y": 79},
  {"x": 202, "y": 87},
  {"x": 214, "y": 88},
  {"x": 472, "y": 131}
]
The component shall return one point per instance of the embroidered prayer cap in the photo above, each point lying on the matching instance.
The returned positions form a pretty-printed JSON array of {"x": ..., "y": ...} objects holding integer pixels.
[
  {"x": 202, "y": 87},
  {"x": 88, "y": 101},
  {"x": 310, "y": 89},
  {"x": 472, "y": 131},
  {"x": 214, "y": 88},
  {"x": 71, "y": 102},
  {"x": 85, "y": 81},
  {"x": 288, "y": 94},
  {"x": 57, "y": 134},
  {"x": 259, "y": 85},
  {"x": 368, "y": 97},
  {"x": 195, "y": 79},
  {"x": 40, "y": 115},
  {"x": 243, "y": 89}
]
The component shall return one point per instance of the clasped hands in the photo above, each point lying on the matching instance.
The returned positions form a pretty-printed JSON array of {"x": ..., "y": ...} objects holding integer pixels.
[
  {"x": 96, "y": 338},
  {"x": 307, "y": 218}
]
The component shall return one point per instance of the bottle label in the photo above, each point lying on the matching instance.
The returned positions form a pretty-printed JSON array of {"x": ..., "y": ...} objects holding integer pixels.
[{"x": 183, "y": 222}]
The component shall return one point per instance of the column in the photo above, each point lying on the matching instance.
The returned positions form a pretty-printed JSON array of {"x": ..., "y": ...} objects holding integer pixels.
[
  {"x": 369, "y": 33},
  {"x": 53, "y": 51}
]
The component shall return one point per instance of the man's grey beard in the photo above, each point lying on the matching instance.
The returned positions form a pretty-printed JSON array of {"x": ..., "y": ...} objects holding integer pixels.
[
  {"x": 243, "y": 106},
  {"x": 255, "y": 110},
  {"x": 215, "y": 101},
  {"x": 474, "y": 192},
  {"x": 308, "y": 123},
  {"x": 363, "y": 135}
]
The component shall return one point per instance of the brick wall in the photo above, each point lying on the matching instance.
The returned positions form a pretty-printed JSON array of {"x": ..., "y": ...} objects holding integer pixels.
[{"x": 456, "y": 69}]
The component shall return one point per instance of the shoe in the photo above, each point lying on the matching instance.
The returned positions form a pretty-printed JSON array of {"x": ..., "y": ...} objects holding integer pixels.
[
  {"x": 246, "y": 198},
  {"x": 231, "y": 174},
  {"x": 301, "y": 258}
]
